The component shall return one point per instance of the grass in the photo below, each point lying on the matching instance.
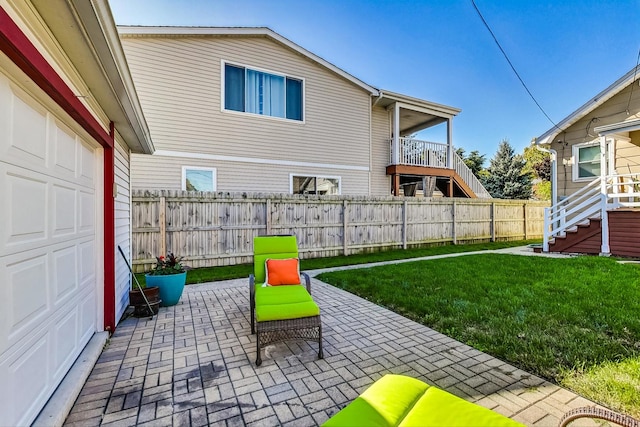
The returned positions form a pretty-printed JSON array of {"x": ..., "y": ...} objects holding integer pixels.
[
  {"x": 567, "y": 320},
  {"x": 617, "y": 383},
  {"x": 212, "y": 274}
]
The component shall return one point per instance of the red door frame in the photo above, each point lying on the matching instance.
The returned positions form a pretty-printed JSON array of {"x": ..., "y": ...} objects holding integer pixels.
[{"x": 17, "y": 46}]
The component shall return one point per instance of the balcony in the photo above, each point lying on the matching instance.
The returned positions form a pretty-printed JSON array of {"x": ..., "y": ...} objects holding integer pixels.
[{"x": 412, "y": 160}]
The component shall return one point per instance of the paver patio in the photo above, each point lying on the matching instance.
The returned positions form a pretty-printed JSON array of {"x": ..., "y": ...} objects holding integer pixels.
[{"x": 193, "y": 365}]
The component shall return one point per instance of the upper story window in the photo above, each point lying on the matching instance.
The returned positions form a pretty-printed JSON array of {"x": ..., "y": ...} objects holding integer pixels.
[{"x": 263, "y": 93}]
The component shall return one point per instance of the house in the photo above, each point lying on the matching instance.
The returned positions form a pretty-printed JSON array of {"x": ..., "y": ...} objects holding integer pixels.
[
  {"x": 597, "y": 170},
  {"x": 247, "y": 110},
  {"x": 69, "y": 119}
]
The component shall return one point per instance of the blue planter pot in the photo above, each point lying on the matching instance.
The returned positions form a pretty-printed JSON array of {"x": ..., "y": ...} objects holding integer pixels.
[{"x": 171, "y": 287}]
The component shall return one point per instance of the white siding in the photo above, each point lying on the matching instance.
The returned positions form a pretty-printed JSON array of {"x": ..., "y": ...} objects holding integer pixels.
[
  {"x": 123, "y": 227},
  {"x": 179, "y": 85}
]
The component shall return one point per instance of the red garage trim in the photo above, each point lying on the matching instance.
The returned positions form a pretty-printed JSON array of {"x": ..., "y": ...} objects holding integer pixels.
[{"x": 17, "y": 46}]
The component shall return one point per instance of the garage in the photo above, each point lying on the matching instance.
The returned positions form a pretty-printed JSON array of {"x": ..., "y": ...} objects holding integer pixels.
[{"x": 49, "y": 298}]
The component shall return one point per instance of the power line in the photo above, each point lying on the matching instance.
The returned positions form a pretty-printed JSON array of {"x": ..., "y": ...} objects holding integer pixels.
[
  {"x": 495, "y": 39},
  {"x": 635, "y": 70}
]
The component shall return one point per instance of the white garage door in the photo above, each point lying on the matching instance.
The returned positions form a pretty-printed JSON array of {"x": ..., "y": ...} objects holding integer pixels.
[{"x": 48, "y": 283}]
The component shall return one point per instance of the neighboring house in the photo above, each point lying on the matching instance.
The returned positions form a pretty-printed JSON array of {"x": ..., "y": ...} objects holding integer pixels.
[
  {"x": 246, "y": 110},
  {"x": 598, "y": 174},
  {"x": 69, "y": 119}
]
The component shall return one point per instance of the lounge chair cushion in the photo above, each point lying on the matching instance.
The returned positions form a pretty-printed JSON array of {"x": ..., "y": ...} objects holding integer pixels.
[
  {"x": 282, "y": 271},
  {"x": 284, "y": 302},
  {"x": 280, "y": 247},
  {"x": 398, "y": 400}
]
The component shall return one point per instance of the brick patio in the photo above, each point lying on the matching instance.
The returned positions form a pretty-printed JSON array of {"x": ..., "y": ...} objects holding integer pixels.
[{"x": 193, "y": 365}]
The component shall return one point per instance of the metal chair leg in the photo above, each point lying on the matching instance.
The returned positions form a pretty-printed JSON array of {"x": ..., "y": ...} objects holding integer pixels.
[{"x": 258, "y": 355}]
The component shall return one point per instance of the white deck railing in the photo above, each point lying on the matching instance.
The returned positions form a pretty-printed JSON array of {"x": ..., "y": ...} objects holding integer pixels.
[
  {"x": 591, "y": 201},
  {"x": 414, "y": 152}
]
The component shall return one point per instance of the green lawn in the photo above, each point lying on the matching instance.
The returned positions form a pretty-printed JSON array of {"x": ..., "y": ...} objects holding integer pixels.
[
  {"x": 212, "y": 274},
  {"x": 573, "y": 321}
]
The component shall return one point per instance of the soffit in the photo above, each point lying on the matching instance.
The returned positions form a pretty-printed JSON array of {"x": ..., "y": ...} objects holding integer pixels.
[{"x": 86, "y": 32}]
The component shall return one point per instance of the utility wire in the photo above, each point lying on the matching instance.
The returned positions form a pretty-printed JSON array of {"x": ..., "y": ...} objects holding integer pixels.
[
  {"x": 635, "y": 70},
  {"x": 495, "y": 39}
]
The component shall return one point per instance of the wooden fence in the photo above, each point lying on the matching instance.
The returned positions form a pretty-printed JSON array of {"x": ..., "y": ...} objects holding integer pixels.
[{"x": 211, "y": 229}]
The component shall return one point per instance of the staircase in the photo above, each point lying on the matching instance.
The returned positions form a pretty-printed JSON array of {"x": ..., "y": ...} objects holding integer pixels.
[
  {"x": 415, "y": 157},
  {"x": 585, "y": 238},
  {"x": 597, "y": 219}
]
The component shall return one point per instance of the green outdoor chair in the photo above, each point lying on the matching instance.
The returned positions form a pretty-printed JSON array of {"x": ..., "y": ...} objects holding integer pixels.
[
  {"x": 284, "y": 312},
  {"x": 401, "y": 401}
]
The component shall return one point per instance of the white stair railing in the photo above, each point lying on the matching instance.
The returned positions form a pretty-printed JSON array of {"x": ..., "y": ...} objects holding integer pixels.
[
  {"x": 590, "y": 202},
  {"x": 469, "y": 177}
]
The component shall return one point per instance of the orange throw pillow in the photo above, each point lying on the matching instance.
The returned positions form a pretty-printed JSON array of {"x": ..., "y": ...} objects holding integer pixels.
[{"x": 282, "y": 271}]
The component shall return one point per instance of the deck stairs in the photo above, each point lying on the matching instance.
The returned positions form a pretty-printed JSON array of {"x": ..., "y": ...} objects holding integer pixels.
[{"x": 597, "y": 219}]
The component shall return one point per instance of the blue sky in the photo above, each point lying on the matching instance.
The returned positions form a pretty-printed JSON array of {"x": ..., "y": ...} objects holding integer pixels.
[{"x": 566, "y": 51}]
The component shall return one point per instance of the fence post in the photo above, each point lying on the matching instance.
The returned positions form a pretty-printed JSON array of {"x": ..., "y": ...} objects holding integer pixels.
[
  {"x": 267, "y": 217},
  {"x": 404, "y": 224},
  {"x": 345, "y": 224},
  {"x": 162, "y": 220},
  {"x": 524, "y": 219},
  {"x": 454, "y": 236},
  {"x": 493, "y": 221}
]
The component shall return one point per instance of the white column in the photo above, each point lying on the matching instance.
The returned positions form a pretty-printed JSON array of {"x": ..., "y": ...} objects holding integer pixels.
[
  {"x": 450, "y": 143},
  {"x": 604, "y": 249},
  {"x": 396, "y": 134}
]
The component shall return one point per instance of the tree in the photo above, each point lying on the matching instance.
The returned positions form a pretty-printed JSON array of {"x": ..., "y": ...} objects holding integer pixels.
[
  {"x": 474, "y": 161},
  {"x": 507, "y": 178},
  {"x": 538, "y": 164}
]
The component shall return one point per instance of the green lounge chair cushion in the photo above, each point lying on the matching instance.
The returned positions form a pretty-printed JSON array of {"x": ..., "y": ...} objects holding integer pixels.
[
  {"x": 274, "y": 247},
  {"x": 284, "y": 302},
  {"x": 397, "y": 400}
]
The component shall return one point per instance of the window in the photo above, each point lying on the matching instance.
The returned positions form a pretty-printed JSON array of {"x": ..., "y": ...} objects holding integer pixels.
[
  {"x": 315, "y": 185},
  {"x": 588, "y": 161},
  {"x": 198, "y": 179},
  {"x": 259, "y": 92}
]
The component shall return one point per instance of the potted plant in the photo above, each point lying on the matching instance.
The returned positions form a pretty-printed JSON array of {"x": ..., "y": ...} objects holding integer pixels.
[{"x": 170, "y": 276}]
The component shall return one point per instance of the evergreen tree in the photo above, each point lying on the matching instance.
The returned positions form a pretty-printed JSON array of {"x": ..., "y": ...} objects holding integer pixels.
[
  {"x": 474, "y": 161},
  {"x": 507, "y": 178}
]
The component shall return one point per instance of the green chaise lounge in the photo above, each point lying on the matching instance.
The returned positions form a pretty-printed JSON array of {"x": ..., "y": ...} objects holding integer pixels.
[
  {"x": 280, "y": 313},
  {"x": 398, "y": 400}
]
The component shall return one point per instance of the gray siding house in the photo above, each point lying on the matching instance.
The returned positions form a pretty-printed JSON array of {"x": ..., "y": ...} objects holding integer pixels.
[{"x": 246, "y": 110}]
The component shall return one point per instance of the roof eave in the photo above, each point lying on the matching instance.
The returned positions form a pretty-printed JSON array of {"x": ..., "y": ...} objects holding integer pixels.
[
  {"x": 112, "y": 86},
  {"x": 445, "y": 110},
  {"x": 626, "y": 126},
  {"x": 590, "y": 105}
]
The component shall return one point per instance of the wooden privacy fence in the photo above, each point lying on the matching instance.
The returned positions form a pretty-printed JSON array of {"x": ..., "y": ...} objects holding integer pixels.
[{"x": 211, "y": 229}]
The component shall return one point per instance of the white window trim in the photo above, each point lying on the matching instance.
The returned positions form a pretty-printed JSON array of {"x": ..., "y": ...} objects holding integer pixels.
[
  {"x": 214, "y": 176},
  {"x": 574, "y": 158},
  {"x": 309, "y": 175},
  {"x": 262, "y": 70}
]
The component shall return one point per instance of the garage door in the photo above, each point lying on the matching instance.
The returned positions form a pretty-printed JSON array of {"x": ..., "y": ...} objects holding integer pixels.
[{"x": 48, "y": 282}]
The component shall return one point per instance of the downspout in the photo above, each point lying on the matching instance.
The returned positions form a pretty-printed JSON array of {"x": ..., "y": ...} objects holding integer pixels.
[{"x": 378, "y": 98}]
